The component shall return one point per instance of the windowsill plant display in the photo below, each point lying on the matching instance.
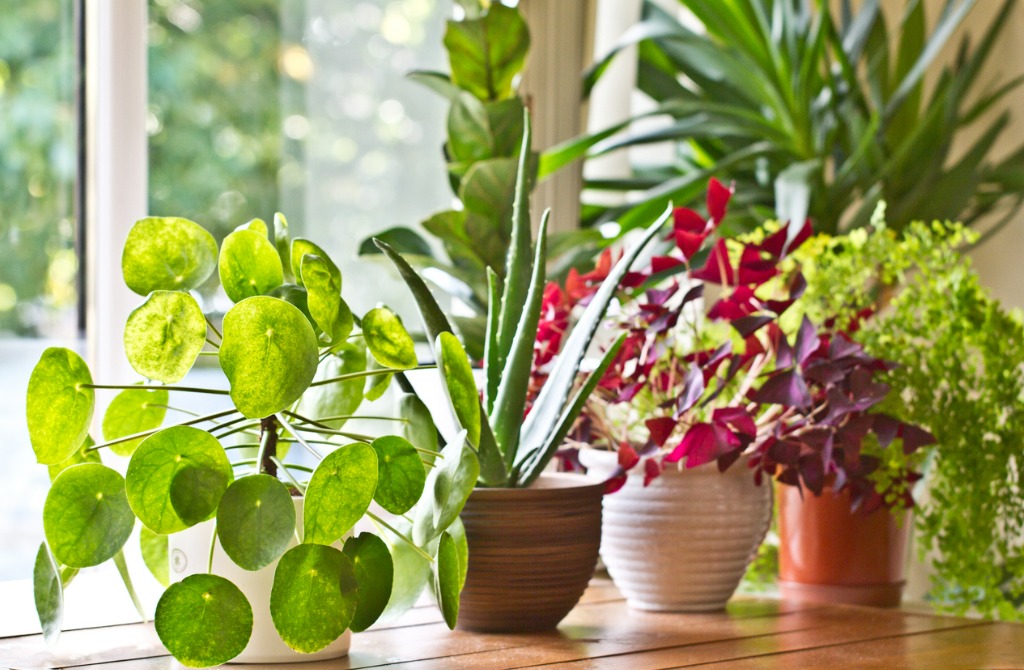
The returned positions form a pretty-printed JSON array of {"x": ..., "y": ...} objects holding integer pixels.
[
  {"x": 296, "y": 361},
  {"x": 725, "y": 388}
]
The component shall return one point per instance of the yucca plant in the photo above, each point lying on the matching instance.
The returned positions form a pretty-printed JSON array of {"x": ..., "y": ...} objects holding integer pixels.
[
  {"x": 814, "y": 112},
  {"x": 512, "y": 450}
]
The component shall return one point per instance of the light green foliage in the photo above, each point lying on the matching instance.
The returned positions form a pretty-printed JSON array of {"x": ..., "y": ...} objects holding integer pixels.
[
  {"x": 58, "y": 408},
  {"x": 154, "y": 554},
  {"x": 388, "y": 340},
  {"x": 133, "y": 411},
  {"x": 447, "y": 579},
  {"x": 167, "y": 254},
  {"x": 164, "y": 335},
  {"x": 460, "y": 385},
  {"x": 204, "y": 620},
  {"x": 48, "y": 593},
  {"x": 488, "y": 52},
  {"x": 82, "y": 455},
  {"x": 961, "y": 359},
  {"x": 314, "y": 596},
  {"x": 86, "y": 517},
  {"x": 374, "y": 572},
  {"x": 400, "y": 474},
  {"x": 303, "y": 247},
  {"x": 255, "y": 521},
  {"x": 448, "y": 486},
  {"x": 249, "y": 265},
  {"x": 339, "y": 493},
  {"x": 325, "y": 303},
  {"x": 342, "y": 398}
]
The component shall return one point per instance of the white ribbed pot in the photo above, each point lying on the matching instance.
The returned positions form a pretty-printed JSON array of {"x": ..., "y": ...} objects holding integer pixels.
[
  {"x": 189, "y": 553},
  {"x": 683, "y": 543}
]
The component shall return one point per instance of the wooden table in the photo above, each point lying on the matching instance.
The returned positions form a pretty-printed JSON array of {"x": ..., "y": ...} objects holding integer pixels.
[{"x": 603, "y": 633}]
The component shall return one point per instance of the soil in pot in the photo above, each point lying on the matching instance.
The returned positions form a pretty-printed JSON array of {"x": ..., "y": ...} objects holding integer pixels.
[
  {"x": 828, "y": 553},
  {"x": 532, "y": 553}
]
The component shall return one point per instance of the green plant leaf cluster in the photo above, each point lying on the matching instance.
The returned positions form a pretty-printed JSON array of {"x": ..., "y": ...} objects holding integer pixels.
[
  {"x": 960, "y": 357},
  {"x": 814, "y": 109}
]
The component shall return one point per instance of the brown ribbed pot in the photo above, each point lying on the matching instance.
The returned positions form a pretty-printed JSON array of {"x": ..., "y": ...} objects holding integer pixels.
[
  {"x": 828, "y": 553},
  {"x": 531, "y": 553}
]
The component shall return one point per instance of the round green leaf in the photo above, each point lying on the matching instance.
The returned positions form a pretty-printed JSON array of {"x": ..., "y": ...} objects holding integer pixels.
[
  {"x": 167, "y": 254},
  {"x": 400, "y": 474},
  {"x": 388, "y": 340},
  {"x": 255, "y": 521},
  {"x": 155, "y": 554},
  {"x": 294, "y": 295},
  {"x": 49, "y": 594},
  {"x": 203, "y": 620},
  {"x": 58, "y": 408},
  {"x": 375, "y": 573},
  {"x": 314, "y": 596},
  {"x": 81, "y": 455},
  {"x": 339, "y": 398},
  {"x": 339, "y": 493},
  {"x": 249, "y": 265},
  {"x": 325, "y": 303},
  {"x": 86, "y": 517},
  {"x": 269, "y": 354},
  {"x": 133, "y": 411},
  {"x": 176, "y": 478},
  {"x": 164, "y": 335},
  {"x": 450, "y": 482},
  {"x": 257, "y": 226},
  {"x": 302, "y": 247},
  {"x": 447, "y": 579},
  {"x": 458, "y": 378}
]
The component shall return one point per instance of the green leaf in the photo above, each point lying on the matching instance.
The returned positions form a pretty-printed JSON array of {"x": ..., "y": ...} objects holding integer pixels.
[
  {"x": 449, "y": 484},
  {"x": 458, "y": 532},
  {"x": 176, "y": 478},
  {"x": 388, "y": 340},
  {"x": 257, "y": 226},
  {"x": 302, "y": 247},
  {"x": 249, "y": 265},
  {"x": 487, "y": 53},
  {"x": 204, "y": 620},
  {"x": 164, "y": 335},
  {"x": 447, "y": 579},
  {"x": 255, "y": 521},
  {"x": 375, "y": 572},
  {"x": 376, "y": 385},
  {"x": 436, "y": 81},
  {"x": 403, "y": 240},
  {"x": 314, "y": 596},
  {"x": 283, "y": 244},
  {"x": 469, "y": 131},
  {"x": 411, "y": 574},
  {"x": 154, "y": 554},
  {"x": 325, "y": 304},
  {"x": 82, "y": 455},
  {"x": 400, "y": 474},
  {"x": 339, "y": 493},
  {"x": 133, "y": 411},
  {"x": 86, "y": 516},
  {"x": 418, "y": 428},
  {"x": 167, "y": 254},
  {"x": 457, "y": 375},
  {"x": 269, "y": 354},
  {"x": 49, "y": 594},
  {"x": 506, "y": 121},
  {"x": 294, "y": 295},
  {"x": 434, "y": 320},
  {"x": 58, "y": 408},
  {"x": 339, "y": 398}
]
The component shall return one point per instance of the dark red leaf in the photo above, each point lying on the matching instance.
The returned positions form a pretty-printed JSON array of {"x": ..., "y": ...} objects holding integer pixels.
[
  {"x": 663, "y": 263},
  {"x": 737, "y": 418},
  {"x": 614, "y": 483},
  {"x": 652, "y": 469},
  {"x": 633, "y": 279},
  {"x": 914, "y": 438},
  {"x": 784, "y": 452},
  {"x": 806, "y": 341},
  {"x": 718, "y": 200},
  {"x": 784, "y": 388},
  {"x": 660, "y": 428},
  {"x": 748, "y": 325},
  {"x": 812, "y": 473},
  {"x": 776, "y": 243},
  {"x": 728, "y": 458},
  {"x": 627, "y": 457},
  {"x": 717, "y": 269},
  {"x": 698, "y": 446},
  {"x": 689, "y": 221}
]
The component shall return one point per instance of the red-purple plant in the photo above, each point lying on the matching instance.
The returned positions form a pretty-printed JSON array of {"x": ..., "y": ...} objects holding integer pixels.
[{"x": 691, "y": 387}]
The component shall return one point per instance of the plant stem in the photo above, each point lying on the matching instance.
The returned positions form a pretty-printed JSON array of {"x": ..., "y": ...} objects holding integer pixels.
[
  {"x": 366, "y": 373},
  {"x": 147, "y": 433},
  {"x": 212, "y": 343},
  {"x": 175, "y": 409},
  {"x": 291, "y": 440},
  {"x": 298, "y": 437},
  {"x": 213, "y": 328},
  {"x": 213, "y": 545},
  {"x": 237, "y": 429},
  {"x": 344, "y": 417},
  {"x": 267, "y": 454},
  {"x": 328, "y": 431},
  {"x": 186, "y": 389},
  {"x": 382, "y": 522},
  {"x": 288, "y": 474}
]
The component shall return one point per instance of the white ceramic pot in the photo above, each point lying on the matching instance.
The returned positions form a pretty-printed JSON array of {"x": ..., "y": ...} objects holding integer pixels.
[
  {"x": 189, "y": 553},
  {"x": 683, "y": 543}
]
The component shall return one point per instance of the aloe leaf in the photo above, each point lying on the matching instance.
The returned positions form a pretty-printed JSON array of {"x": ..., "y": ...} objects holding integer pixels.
[
  {"x": 434, "y": 320},
  {"x": 405, "y": 240},
  {"x": 548, "y": 405},
  {"x": 492, "y": 465},
  {"x": 507, "y": 415},
  {"x": 492, "y": 369}
]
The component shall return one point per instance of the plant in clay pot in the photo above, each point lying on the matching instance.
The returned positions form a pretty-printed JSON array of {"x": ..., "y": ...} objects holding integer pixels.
[
  {"x": 297, "y": 363},
  {"x": 689, "y": 388},
  {"x": 514, "y": 504}
]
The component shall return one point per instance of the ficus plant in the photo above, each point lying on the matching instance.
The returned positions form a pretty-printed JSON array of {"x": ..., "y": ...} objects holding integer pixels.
[{"x": 297, "y": 364}]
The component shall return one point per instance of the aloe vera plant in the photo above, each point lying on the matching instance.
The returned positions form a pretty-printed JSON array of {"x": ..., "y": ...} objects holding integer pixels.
[
  {"x": 513, "y": 451},
  {"x": 297, "y": 364}
]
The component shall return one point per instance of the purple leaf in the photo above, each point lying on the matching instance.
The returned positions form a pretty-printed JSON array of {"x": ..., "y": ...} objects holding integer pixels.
[
  {"x": 784, "y": 452},
  {"x": 748, "y": 325},
  {"x": 915, "y": 438},
  {"x": 695, "y": 292},
  {"x": 806, "y": 341},
  {"x": 737, "y": 418},
  {"x": 693, "y": 387},
  {"x": 728, "y": 458},
  {"x": 812, "y": 473},
  {"x": 823, "y": 372},
  {"x": 784, "y": 354},
  {"x": 886, "y": 429},
  {"x": 784, "y": 388}
]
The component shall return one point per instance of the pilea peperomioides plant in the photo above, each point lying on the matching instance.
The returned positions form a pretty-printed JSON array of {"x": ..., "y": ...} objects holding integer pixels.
[{"x": 297, "y": 364}]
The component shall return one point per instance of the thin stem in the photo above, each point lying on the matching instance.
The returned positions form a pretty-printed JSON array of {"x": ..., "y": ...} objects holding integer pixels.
[
  {"x": 175, "y": 409},
  {"x": 237, "y": 429},
  {"x": 213, "y": 328},
  {"x": 376, "y": 519},
  {"x": 295, "y": 466},
  {"x": 290, "y": 440},
  {"x": 366, "y": 373},
  {"x": 346, "y": 417},
  {"x": 247, "y": 445},
  {"x": 249, "y": 461},
  {"x": 209, "y": 353},
  {"x": 186, "y": 389},
  {"x": 213, "y": 545},
  {"x": 298, "y": 437},
  {"x": 268, "y": 446},
  {"x": 328, "y": 431},
  {"x": 294, "y": 481},
  {"x": 212, "y": 343},
  {"x": 147, "y": 433}
]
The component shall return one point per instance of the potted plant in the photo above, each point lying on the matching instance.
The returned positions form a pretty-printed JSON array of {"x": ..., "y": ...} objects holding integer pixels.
[
  {"x": 295, "y": 360},
  {"x": 533, "y": 537},
  {"x": 710, "y": 389},
  {"x": 914, "y": 298}
]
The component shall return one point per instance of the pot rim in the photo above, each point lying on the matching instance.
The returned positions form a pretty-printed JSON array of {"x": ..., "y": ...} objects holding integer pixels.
[{"x": 548, "y": 481}]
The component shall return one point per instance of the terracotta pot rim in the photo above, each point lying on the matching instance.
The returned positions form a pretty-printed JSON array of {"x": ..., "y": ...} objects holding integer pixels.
[{"x": 548, "y": 481}]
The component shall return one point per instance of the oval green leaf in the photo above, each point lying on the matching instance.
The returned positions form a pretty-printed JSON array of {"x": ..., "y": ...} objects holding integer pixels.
[
  {"x": 58, "y": 407},
  {"x": 447, "y": 579},
  {"x": 375, "y": 573},
  {"x": 400, "y": 474},
  {"x": 167, "y": 254},
  {"x": 82, "y": 455},
  {"x": 249, "y": 265},
  {"x": 154, "y": 554},
  {"x": 255, "y": 521},
  {"x": 325, "y": 304},
  {"x": 339, "y": 493},
  {"x": 282, "y": 244},
  {"x": 269, "y": 354},
  {"x": 449, "y": 484},
  {"x": 458, "y": 532},
  {"x": 257, "y": 226},
  {"x": 49, "y": 594},
  {"x": 419, "y": 426},
  {"x": 458, "y": 378},
  {"x": 204, "y": 620},
  {"x": 388, "y": 340},
  {"x": 164, "y": 335},
  {"x": 133, "y": 411},
  {"x": 86, "y": 516},
  {"x": 176, "y": 478},
  {"x": 314, "y": 596},
  {"x": 294, "y": 295},
  {"x": 302, "y": 247},
  {"x": 339, "y": 398}
]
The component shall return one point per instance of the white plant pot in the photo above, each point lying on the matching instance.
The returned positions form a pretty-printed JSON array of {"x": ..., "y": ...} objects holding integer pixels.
[
  {"x": 189, "y": 553},
  {"x": 683, "y": 543}
]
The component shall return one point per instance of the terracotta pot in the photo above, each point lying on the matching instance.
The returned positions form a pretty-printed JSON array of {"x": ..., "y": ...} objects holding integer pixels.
[
  {"x": 829, "y": 554},
  {"x": 189, "y": 552},
  {"x": 682, "y": 543},
  {"x": 532, "y": 553}
]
